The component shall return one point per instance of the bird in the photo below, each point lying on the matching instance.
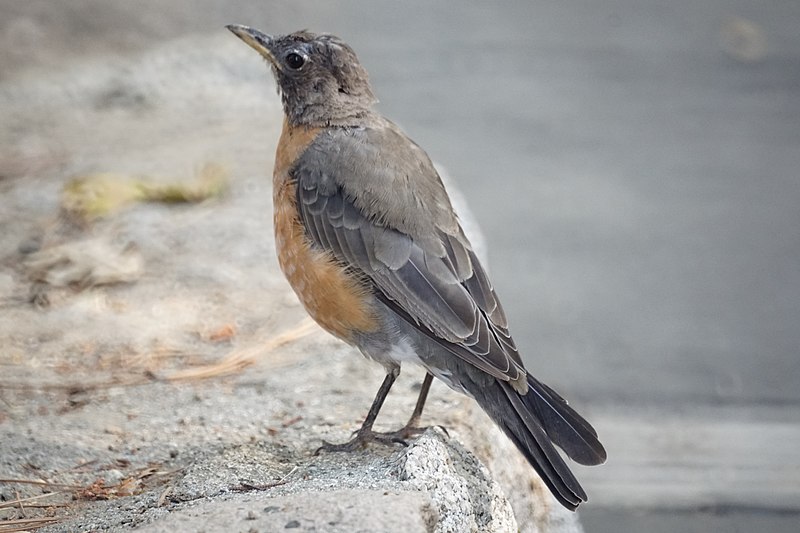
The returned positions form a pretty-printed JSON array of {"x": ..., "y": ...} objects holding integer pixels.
[{"x": 368, "y": 239}]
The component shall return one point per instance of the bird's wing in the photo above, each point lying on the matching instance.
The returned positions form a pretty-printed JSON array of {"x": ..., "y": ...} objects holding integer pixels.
[{"x": 399, "y": 234}]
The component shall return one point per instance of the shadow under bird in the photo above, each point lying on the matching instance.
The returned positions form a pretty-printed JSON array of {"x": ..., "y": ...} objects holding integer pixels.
[{"x": 368, "y": 239}]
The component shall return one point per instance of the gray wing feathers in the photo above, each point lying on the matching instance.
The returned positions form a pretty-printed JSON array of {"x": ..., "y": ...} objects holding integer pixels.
[{"x": 415, "y": 255}]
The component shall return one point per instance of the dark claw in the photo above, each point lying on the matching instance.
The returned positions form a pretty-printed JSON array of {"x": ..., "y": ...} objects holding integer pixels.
[
  {"x": 325, "y": 447},
  {"x": 398, "y": 440}
]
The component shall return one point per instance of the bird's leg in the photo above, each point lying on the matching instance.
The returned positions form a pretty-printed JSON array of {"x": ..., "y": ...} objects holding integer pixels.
[
  {"x": 423, "y": 396},
  {"x": 365, "y": 435},
  {"x": 412, "y": 428}
]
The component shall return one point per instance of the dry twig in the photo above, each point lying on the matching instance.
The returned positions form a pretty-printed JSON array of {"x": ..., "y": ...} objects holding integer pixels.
[
  {"x": 26, "y": 524},
  {"x": 241, "y": 359},
  {"x": 234, "y": 362}
]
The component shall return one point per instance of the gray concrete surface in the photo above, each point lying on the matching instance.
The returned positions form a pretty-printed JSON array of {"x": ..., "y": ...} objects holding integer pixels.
[
  {"x": 338, "y": 511},
  {"x": 635, "y": 167}
]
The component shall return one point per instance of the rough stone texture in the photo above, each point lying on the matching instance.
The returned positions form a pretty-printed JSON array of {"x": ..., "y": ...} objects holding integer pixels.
[
  {"x": 89, "y": 388},
  {"x": 461, "y": 488}
]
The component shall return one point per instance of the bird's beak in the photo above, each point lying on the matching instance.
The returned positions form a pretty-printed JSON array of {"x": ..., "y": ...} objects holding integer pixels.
[{"x": 260, "y": 42}]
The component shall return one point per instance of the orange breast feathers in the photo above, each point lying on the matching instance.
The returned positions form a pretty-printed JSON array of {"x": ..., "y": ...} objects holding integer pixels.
[{"x": 334, "y": 298}]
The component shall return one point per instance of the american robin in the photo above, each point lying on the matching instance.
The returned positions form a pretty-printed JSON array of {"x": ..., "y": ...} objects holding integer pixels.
[{"x": 369, "y": 241}]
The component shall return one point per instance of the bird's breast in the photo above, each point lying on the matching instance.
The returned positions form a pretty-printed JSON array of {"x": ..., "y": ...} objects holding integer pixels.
[{"x": 335, "y": 299}]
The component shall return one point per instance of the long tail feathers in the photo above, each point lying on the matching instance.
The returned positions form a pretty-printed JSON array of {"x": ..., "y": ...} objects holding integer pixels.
[
  {"x": 534, "y": 423},
  {"x": 565, "y": 427}
]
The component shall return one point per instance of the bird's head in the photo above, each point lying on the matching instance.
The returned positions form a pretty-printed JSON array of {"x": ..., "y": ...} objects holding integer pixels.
[{"x": 319, "y": 77}]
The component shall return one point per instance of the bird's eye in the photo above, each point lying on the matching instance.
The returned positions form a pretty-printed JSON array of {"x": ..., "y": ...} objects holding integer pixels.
[{"x": 295, "y": 61}]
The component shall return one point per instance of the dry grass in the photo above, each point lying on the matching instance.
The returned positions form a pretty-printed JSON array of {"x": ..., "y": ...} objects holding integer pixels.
[
  {"x": 233, "y": 363},
  {"x": 238, "y": 360},
  {"x": 26, "y": 524},
  {"x": 65, "y": 494}
]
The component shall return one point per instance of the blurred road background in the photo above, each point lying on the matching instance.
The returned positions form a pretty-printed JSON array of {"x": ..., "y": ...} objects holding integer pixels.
[{"x": 635, "y": 166}]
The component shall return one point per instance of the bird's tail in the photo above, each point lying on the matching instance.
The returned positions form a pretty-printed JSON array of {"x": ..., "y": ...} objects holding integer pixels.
[{"x": 536, "y": 421}]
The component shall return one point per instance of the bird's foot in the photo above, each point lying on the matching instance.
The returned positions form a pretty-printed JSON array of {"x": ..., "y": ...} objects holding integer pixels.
[
  {"x": 403, "y": 434},
  {"x": 363, "y": 437}
]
